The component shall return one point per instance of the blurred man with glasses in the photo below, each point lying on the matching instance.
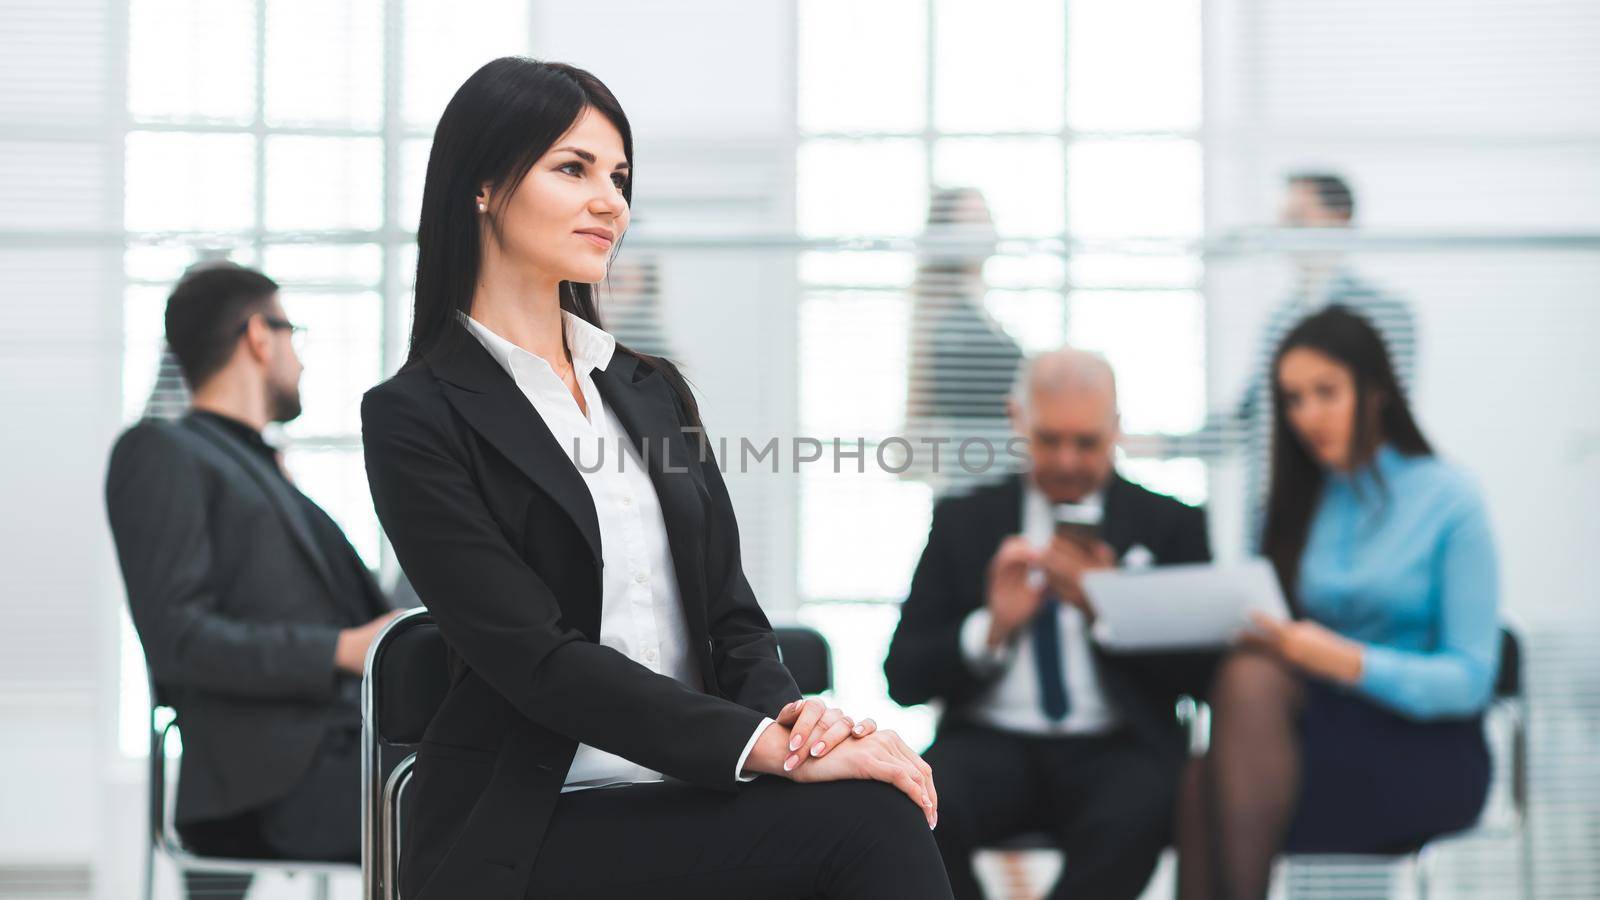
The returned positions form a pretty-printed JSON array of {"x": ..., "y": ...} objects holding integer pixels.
[{"x": 254, "y": 610}]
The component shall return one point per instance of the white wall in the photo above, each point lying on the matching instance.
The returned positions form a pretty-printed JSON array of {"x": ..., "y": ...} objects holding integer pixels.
[{"x": 60, "y": 272}]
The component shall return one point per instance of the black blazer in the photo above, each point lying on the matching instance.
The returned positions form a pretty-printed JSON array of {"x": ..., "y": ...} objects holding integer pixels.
[
  {"x": 497, "y": 531},
  {"x": 236, "y": 608},
  {"x": 925, "y": 661}
]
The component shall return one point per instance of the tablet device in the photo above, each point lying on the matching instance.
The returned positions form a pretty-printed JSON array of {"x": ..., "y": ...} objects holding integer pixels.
[{"x": 1183, "y": 607}]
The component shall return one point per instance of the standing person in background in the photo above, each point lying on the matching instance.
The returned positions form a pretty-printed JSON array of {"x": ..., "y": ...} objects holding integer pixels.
[
  {"x": 254, "y": 611},
  {"x": 1358, "y": 726},
  {"x": 960, "y": 361},
  {"x": 1312, "y": 200}
]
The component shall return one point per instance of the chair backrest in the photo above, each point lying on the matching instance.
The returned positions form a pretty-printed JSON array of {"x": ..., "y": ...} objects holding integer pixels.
[
  {"x": 1508, "y": 681},
  {"x": 805, "y": 651},
  {"x": 411, "y": 680},
  {"x": 406, "y": 681},
  {"x": 163, "y": 834},
  {"x": 163, "y": 721}
]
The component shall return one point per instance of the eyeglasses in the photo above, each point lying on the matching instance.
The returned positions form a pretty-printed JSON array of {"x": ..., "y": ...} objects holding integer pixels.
[{"x": 297, "y": 333}]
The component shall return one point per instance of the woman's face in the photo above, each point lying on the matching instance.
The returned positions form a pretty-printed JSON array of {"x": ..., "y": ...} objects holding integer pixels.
[
  {"x": 1319, "y": 395},
  {"x": 563, "y": 220}
]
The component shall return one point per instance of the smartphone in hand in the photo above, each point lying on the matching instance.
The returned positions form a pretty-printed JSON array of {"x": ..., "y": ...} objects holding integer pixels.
[{"x": 1079, "y": 522}]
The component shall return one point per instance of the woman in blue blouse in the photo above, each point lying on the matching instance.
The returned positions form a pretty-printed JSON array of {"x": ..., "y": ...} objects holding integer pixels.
[{"x": 1357, "y": 726}]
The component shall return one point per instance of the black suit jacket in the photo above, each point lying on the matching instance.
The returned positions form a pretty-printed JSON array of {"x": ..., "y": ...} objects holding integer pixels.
[
  {"x": 497, "y": 531},
  {"x": 236, "y": 607},
  {"x": 925, "y": 661}
]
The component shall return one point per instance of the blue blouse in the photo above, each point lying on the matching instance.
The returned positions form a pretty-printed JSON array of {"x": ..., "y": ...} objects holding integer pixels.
[{"x": 1407, "y": 568}]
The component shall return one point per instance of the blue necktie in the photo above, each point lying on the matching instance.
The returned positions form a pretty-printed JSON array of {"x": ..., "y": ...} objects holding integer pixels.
[{"x": 1047, "y": 659}]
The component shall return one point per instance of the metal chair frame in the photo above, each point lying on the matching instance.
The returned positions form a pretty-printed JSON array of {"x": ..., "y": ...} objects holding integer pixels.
[
  {"x": 1514, "y": 709},
  {"x": 382, "y": 795},
  {"x": 163, "y": 839}
]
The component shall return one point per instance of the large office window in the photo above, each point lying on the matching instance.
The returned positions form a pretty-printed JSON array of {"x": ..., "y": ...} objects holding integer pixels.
[
  {"x": 1054, "y": 148},
  {"x": 291, "y": 135}
]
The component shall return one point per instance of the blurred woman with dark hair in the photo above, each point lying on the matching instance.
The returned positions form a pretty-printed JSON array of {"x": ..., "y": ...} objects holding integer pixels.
[{"x": 1356, "y": 727}]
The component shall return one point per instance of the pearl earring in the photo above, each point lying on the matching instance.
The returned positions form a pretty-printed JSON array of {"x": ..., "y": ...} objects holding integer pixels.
[{"x": 483, "y": 207}]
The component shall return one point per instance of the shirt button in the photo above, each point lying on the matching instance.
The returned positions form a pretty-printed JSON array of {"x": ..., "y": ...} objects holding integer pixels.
[
  {"x": 650, "y": 655},
  {"x": 627, "y": 499},
  {"x": 641, "y": 577}
]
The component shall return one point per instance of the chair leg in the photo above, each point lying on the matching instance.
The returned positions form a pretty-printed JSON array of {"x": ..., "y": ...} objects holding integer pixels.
[
  {"x": 1519, "y": 798},
  {"x": 150, "y": 872},
  {"x": 1419, "y": 865},
  {"x": 1524, "y": 860}
]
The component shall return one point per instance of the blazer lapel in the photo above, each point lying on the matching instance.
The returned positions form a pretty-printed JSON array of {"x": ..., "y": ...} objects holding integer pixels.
[
  {"x": 488, "y": 398},
  {"x": 1116, "y": 525},
  {"x": 1007, "y": 509},
  {"x": 642, "y": 402},
  {"x": 277, "y": 490}
]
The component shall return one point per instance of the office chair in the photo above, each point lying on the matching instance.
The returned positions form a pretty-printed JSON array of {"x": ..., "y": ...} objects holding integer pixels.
[
  {"x": 805, "y": 652},
  {"x": 1509, "y": 703},
  {"x": 406, "y": 681},
  {"x": 162, "y": 835}
]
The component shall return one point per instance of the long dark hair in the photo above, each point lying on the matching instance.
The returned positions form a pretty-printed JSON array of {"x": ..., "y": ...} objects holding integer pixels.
[
  {"x": 1382, "y": 416},
  {"x": 501, "y": 120}
]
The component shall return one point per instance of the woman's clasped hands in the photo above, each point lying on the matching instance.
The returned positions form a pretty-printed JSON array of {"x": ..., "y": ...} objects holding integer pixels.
[{"x": 821, "y": 743}]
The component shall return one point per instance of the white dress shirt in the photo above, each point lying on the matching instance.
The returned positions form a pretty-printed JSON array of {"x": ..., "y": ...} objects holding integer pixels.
[
  {"x": 1011, "y": 702},
  {"x": 641, "y": 611}
]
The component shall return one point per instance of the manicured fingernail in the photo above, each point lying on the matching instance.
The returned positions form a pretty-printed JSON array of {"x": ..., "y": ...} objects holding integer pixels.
[
  {"x": 795, "y": 742},
  {"x": 816, "y": 749},
  {"x": 791, "y": 762},
  {"x": 858, "y": 729},
  {"x": 935, "y": 822}
]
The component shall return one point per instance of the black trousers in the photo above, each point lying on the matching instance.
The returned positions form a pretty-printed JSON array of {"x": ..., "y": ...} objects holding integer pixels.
[
  {"x": 320, "y": 819},
  {"x": 1107, "y": 802},
  {"x": 772, "y": 839}
]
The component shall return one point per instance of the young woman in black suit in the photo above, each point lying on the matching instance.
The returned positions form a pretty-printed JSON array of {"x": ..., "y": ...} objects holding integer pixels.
[{"x": 618, "y": 722}]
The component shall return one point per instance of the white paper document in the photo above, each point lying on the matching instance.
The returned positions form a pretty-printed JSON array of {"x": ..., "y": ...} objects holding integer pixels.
[{"x": 1179, "y": 607}]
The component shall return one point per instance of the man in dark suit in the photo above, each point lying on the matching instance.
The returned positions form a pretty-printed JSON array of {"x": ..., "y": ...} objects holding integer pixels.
[
  {"x": 1042, "y": 730},
  {"x": 254, "y": 611}
]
